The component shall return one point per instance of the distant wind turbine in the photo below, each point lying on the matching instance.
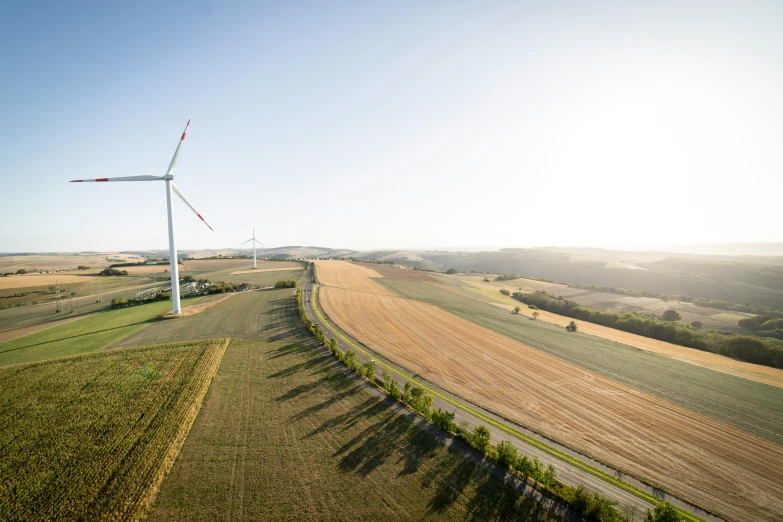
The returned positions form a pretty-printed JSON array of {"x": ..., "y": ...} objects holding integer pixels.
[
  {"x": 175, "y": 306},
  {"x": 254, "y": 240}
]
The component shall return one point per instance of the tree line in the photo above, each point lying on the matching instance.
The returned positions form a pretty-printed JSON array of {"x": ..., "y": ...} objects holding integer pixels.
[
  {"x": 745, "y": 348},
  {"x": 696, "y": 301}
]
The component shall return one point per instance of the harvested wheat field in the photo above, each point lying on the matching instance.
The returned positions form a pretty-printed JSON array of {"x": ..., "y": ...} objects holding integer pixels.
[
  {"x": 257, "y": 270},
  {"x": 32, "y": 280},
  {"x": 349, "y": 275},
  {"x": 705, "y": 461},
  {"x": 216, "y": 264},
  {"x": 713, "y": 361},
  {"x": 62, "y": 261}
]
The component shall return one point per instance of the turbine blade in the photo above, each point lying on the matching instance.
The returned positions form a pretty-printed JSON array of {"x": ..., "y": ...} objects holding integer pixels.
[
  {"x": 248, "y": 241},
  {"x": 173, "y": 164},
  {"x": 259, "y": 242},
  {"x": 183, "y": 198},
  {"x": 123, "y": 178}
]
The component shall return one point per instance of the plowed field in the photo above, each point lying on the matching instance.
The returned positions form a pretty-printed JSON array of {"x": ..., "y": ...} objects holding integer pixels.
[
  {"x": 703, "y": 460},
  {"x": 349, "y": 275}
]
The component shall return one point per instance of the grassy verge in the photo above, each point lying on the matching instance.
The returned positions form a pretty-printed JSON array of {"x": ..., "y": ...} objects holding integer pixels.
[
  {"x": 91, "y": 437},
  {"x": 507, "y": 429}
]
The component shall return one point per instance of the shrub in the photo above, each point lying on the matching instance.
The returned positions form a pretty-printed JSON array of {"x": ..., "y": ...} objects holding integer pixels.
[
  {"x": 517, "y": 309},
  {"x": 480, "y": 438},
  {"x": 697, "y": 324},
  {"x": 285, "y": 284},
  {"x": 532, "y": 307},
  {"x": 113, "y": 272},
  {"x": 664, "y": 512},
  {"x": 505, "y": 291},
  {"x": 571, "y": 326},
  {"x": 486, "y": 280},
  {"x": 671, "y": 315},
  {"x": 21, "y": 271},
  {"x": 119, "y": 302},
  {"x": 452, "y": 271}
]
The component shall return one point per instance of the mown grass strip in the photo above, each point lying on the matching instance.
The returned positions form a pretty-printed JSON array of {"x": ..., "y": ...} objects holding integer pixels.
[{"x": 511, "y": 431}]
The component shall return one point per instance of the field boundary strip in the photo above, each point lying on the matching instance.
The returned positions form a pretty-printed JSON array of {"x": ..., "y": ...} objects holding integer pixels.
[
  {"x": 170, "y": 458},
  {"x": 511, "y": 431}
]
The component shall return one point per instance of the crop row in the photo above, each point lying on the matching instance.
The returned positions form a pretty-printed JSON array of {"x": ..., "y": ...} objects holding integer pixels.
[{"x": 92, "y": 435}]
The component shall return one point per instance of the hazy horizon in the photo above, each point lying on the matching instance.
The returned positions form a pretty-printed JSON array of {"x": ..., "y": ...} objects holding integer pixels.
[
  {"x": 368, "y": 125},
  {"x": 760, "y": 249}
]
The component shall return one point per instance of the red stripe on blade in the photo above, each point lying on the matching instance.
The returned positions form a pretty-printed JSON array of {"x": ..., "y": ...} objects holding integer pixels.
[
  {"x": 77, "y": 181},
  {"x": 199, "y": 216},
  {"x": 102, "y": 179},
  {"x": 183, "y": 136}
]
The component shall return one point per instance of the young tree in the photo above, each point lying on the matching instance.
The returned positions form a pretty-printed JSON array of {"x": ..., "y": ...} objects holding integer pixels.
[
  {"x": 406, "y": 393},
  {"x": 549, "y": 476},
  {"x": 517, "y": 309},
  {"x": 369, "y": 370},
  {"x": 350, "y": 357},
  {"x": 334, "y": 346},
  {"x": 507, "y": 453},
  {"x": 697, "y": 324},
  {"x": 571, "y": 326},
  {"x": 535, "y": 314},
  {"x": 444, "y": 420},
  {"x": 480, "y": 438},
  {"x": 451, "y": 271}
]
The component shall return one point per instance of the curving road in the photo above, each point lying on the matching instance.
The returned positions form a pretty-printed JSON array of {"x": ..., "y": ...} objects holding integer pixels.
[{"x": 566, "y": 472}]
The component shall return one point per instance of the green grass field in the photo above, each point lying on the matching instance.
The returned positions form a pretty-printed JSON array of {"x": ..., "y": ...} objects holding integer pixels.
[
  {"x": 285, "y": 435},
  {"x": 89, "y": 334},
  {"x": 754, "y": 407},
  {"x": 90, "y": 437},
  {"x": 241, "y": 316}
]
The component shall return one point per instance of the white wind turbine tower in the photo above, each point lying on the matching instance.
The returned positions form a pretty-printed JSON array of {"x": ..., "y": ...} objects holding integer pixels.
[
  {"x": 175, "y": 306},
  {"x": 254, "y": 240}
]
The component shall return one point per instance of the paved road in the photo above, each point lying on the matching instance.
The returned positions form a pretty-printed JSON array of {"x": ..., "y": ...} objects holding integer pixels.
[{"x": 567, "y": 473}]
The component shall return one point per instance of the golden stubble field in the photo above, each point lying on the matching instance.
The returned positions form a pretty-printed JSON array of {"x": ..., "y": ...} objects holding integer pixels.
[
  {"x": 62, "y": 261},
  {"x": 33, "y": 280},
  {"x": 701, "y": 459},
  {"x": 349, "y": 275}
]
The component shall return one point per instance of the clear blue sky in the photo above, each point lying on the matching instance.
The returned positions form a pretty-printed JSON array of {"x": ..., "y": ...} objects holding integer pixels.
[{"x": 392, "y": 124}]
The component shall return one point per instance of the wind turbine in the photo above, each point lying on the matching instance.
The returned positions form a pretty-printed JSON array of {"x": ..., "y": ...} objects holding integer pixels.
[
  {"x": 175, "y": 307},
  {"x": 254, "y": 240}
]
